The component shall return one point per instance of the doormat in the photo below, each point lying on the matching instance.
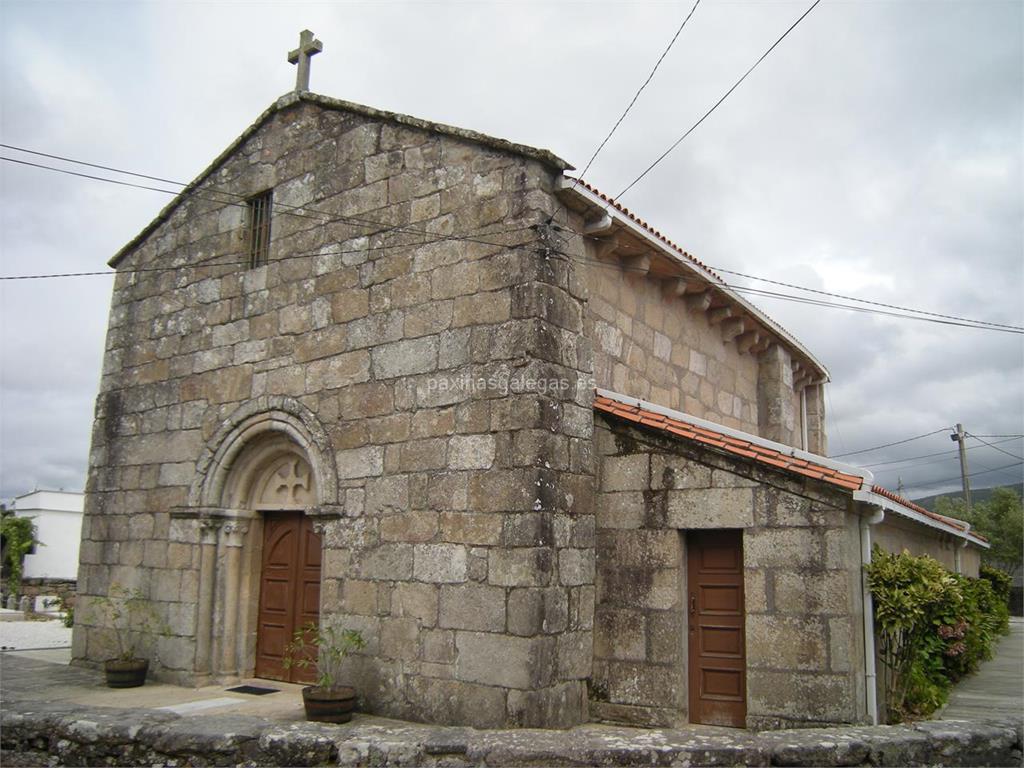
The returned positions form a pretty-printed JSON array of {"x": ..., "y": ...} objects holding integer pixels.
[{"x": 253, "y": 690}]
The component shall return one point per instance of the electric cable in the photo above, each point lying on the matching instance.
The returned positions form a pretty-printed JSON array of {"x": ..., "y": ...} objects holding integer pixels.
[
  {"x": 990, "y": 445},
  {"x": 716, "y": 105},
  {"x": 889, "y": 445},
  {"x": 636, "y": 96},
  {"x": 931, "y": 483}
]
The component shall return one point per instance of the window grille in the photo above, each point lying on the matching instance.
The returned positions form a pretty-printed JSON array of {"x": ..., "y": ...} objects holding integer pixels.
[{"x": 259, "y": 228}]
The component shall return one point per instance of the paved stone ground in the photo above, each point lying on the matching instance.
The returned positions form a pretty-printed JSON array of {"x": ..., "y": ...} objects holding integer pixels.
[
  {"x": 32, "y": 634},
  {"x": 54, "y": 714},
  {"x": 997, "y": 688}
]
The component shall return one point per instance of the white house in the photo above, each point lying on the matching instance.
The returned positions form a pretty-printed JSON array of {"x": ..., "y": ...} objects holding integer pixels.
[{"x": 58, "y": 519}]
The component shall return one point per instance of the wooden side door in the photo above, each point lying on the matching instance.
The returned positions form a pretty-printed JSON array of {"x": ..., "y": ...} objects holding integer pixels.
[
  {"x": 717, "y": 646},
  {"x": 289, "y": 592}
]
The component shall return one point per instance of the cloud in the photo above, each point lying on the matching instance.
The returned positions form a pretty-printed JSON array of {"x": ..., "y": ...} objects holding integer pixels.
[{"x": 875, "y": 153}]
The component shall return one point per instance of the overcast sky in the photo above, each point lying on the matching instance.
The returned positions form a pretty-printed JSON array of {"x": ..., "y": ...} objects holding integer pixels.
[{"x": 876, "y": 153}]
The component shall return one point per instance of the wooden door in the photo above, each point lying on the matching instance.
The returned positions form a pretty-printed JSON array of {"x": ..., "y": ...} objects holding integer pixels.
[
  {"x": 289, "y": 592},
  {"x": 717, "y": 653}
]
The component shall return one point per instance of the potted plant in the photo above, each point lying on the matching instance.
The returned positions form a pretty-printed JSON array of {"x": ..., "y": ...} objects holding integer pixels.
[
  {"x": 324, "y": 647},
  {"x": 129, "y": 615}
]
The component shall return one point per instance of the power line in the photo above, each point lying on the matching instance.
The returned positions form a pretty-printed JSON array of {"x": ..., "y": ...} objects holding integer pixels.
[
  {"x": 973, "y": 474},
  {"x": 637, "y": 94},
  {"x": 924, "y": 317},
  {"x": 927, "y": 456},
  {"x": 1010, "y": 436},
  {"x": 865, "y": 301},
  {"x": 990, "y": 445},
  {"x": 548, "y": 252},
  {"x": 362, "y": 221},
  {"x": 209, "y": 262},
  {"x": 239, "y": 200},
  {"x": 717, "y": 103},
  {"x": 770, "y": 294},
  {"x": 889, "y": 445}
]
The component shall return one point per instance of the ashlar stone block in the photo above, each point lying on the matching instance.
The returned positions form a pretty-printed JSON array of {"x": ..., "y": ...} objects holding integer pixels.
[
  {"x": 440, "y": 563},
  {"x": 524, "y": 662},
  {"x": 473, "y": 606}
]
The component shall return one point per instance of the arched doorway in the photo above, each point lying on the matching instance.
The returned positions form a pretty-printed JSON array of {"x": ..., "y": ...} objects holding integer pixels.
[
  {"x": 272, "y": 479},
  {"x": 264, "y": 492}
]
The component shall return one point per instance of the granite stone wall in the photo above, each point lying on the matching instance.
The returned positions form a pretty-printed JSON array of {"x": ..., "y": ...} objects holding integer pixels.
[
  {"x": 802, "y": 584},
  {"x": 438, "y": 362},
  {"x": 647, "y": 345}
]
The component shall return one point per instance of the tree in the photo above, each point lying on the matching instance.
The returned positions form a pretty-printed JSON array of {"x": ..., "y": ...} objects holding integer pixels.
[{"x": 1000, "y": 519}]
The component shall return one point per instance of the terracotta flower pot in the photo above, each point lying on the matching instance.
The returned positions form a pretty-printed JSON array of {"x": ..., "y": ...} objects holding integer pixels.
[
  {"x": 126, "y": 674},
  {"x": 329, "y": 705}
]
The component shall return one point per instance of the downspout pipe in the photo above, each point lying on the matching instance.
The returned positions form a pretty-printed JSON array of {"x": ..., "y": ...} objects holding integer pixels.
[
  {"x": 959, "y": 549},
  {"x": 870, "y": 671}
]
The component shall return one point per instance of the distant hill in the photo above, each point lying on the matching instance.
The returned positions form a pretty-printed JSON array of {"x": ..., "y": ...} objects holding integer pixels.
[{"x": 977, "y": 495}]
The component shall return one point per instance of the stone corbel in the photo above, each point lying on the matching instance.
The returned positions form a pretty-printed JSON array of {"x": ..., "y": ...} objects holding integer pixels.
[
  {"x": 636, "y": 267},
  {"x": 764, "y": 341},
  {"x": 745, "y": 342},
  {"x": 698, "y": 302},
  {"x": 719, "y": 314},
  {"x": 682, "y": 286},
  {"x": 732, "y": 327},
  {"x": 606, "y": 248}
]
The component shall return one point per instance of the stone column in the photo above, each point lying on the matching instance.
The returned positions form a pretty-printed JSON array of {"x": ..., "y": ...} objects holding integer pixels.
[
  {"x": 207, "y": 581},
  {"x": 232, "y": 540},
  {"x": 775, "y": 413},
  {"x": 817, "y": 440}
]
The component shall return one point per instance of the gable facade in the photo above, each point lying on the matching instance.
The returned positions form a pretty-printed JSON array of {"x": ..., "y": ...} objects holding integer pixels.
[{"x": 389, "y": 426}]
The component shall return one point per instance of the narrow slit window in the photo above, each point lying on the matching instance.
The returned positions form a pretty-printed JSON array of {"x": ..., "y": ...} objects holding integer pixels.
[{"x": 259, "y": 228}]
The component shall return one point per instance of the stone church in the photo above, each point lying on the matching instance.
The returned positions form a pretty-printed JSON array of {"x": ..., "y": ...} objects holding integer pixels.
[{"x": 409, "y": 379}]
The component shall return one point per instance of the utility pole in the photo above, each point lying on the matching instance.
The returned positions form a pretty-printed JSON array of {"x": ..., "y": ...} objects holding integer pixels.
[{"x": 958, "y": 437}]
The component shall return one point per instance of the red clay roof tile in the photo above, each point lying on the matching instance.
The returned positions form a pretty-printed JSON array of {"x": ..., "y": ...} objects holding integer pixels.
[{"x": 761, "y": 454}]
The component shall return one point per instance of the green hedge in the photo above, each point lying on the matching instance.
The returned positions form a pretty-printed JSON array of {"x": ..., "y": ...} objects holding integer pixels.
[{"x": 934, "y": 627}]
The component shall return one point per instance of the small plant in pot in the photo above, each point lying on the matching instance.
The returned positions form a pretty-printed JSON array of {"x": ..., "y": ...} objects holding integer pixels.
[
  {"x": 129, "y": 615},
  {"x": 324, "y": 648}
]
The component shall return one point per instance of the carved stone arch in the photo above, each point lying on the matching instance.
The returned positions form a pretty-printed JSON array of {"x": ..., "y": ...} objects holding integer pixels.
[
  {"x": 265, "y": 421},
  {"x": 270, "y": 457}
]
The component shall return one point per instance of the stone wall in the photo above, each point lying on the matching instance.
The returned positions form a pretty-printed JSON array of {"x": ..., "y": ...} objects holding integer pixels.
[
  {"x": 57, "y": 734},
  {"x": 802, "y": 584},
  {"x": 895, "y": 534},
  {"x": 647, "y": 345},
  {"x": 447, "y": 381}
]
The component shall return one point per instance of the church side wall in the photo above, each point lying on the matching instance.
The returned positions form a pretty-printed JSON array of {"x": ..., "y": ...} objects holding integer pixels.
[
  {"x": 647, "y": 345},
  {"x": 450, "y": 377},
  {"x": 804, "y": 647}
]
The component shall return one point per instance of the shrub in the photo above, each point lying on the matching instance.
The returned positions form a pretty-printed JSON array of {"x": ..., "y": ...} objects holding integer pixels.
[{"x": 934, "y": 627}]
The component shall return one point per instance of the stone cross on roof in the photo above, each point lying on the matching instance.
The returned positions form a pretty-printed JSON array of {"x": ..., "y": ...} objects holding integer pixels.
[{"x": 308, "y": 47}]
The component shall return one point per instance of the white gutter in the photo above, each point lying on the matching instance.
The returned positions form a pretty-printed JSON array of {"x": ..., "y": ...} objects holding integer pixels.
[
  {"x": 877, "y": 500},
  {"x": 565, "y": 184},
  {"x": 870, "y": 671}
]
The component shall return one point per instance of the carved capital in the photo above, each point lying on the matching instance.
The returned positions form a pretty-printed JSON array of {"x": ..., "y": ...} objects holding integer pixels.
[
  {"x": 208, "y": 528},
  {"x": 234, "y": 532}
]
